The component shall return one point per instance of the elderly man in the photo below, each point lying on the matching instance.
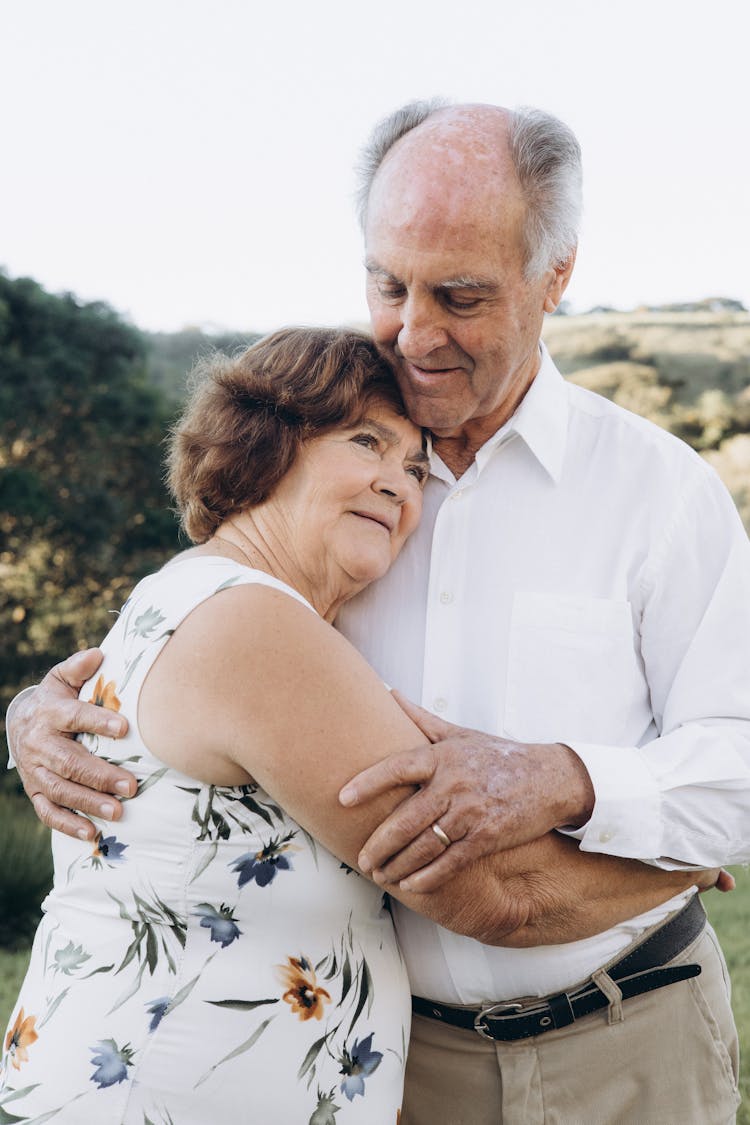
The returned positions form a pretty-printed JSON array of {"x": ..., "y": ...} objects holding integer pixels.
[{"x": 578, "y": 592}]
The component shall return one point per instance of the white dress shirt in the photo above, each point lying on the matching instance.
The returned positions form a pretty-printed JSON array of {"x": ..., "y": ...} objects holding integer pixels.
[{"x": 586, "y": 581}]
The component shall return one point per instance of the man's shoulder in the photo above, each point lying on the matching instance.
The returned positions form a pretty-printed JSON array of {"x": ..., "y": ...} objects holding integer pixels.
[{"x": 618, "y": 431}]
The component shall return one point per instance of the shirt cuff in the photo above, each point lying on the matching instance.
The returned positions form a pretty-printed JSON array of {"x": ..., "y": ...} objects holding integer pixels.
[
  {"x": 9, "y": 715},
  {"x": 627, "y": 803}
]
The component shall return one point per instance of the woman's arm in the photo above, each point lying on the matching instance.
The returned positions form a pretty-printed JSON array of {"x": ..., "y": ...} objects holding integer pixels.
[{"x": 287, "y": 701}]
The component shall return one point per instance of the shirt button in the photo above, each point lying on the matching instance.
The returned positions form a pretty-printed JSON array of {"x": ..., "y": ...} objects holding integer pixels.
[
  {"x": 440, "y": 704},
  {"x": 605, "y": 837},
  {"x": 455, "y": 495},
  {"x": 446, "y": 597}
]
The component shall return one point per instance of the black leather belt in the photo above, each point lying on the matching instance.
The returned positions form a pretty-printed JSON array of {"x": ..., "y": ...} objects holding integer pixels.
[{"x": 643, "y": 969}]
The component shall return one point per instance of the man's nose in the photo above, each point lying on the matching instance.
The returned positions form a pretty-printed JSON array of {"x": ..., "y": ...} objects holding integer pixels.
[{"x": 422, "y": 330}]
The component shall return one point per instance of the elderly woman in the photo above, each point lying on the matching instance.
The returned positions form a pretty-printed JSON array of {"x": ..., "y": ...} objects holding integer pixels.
[{"x": 215, "y": 956}]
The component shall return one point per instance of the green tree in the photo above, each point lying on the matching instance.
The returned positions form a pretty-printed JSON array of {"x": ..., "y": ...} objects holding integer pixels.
[{"x": 83, "y": 510}]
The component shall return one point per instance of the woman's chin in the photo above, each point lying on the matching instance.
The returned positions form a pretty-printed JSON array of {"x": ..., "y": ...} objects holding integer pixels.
[{"x": 368, "y": 570}]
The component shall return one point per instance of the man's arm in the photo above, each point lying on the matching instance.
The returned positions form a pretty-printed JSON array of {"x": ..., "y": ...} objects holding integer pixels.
[
  {"x": 57, "y": 772},
  {"x": 680, "y": 800},
  {"x": 548, "y": 892},
  {"x": 487, "y": 794}
]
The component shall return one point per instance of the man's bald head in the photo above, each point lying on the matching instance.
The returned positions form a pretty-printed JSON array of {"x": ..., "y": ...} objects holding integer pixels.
[{"x": 522, "y": 159}]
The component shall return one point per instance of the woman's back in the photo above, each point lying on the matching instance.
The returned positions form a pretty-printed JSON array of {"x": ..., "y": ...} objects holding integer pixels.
[{"x": 205, "y": 960}]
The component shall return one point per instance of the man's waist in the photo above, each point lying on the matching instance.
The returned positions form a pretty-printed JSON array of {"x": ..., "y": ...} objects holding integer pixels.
[
  {"x": 452, "y": 969},
  {"x": 647, "y": 965}
]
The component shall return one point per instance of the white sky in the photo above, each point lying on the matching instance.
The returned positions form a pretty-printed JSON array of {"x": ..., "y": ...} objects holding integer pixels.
[{"x": 190, "y": 162}]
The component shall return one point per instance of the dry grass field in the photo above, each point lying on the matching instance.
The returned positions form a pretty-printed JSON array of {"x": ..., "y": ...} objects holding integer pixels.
[{"x": 687, "y": 371}]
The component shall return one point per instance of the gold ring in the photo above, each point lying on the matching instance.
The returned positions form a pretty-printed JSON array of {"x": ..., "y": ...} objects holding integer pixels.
[{"x": 443, "y": 837}]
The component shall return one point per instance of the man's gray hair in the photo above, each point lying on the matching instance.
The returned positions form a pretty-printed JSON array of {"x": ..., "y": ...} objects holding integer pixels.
[{"x": 547, "y": 160}]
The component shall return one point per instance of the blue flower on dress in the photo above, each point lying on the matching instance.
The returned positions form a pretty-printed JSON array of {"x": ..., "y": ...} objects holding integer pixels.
[
  {"x": 263, "y": 866},
  {"x": 358, "y": 1065},
  {"x": 220, "y": 922},
  {"x": 157, "y": 1009},
  {"x": 107, "y": 849},
  {"x": 110, "y": 1062}
]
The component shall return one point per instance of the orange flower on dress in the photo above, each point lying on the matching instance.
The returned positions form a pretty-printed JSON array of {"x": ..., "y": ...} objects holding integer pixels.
[
  {"x": 104, "y": 695},
  {"x": 302, "y": 991},
  {"x": 19, "y": 1039}
]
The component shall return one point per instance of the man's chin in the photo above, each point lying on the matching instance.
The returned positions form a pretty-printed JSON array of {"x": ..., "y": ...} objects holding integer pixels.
[{"x": 442, "y": 419}]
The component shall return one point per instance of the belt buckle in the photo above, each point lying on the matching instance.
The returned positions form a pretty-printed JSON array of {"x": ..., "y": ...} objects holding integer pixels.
[{"x": 497, "y": 1011}]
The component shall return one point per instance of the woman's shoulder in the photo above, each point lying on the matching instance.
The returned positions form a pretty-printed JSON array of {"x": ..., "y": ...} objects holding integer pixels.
[{"x": 168, "y": 595}]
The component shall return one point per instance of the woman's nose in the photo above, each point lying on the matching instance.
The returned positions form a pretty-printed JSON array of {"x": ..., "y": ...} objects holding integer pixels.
[{"x": 392, "y": 483}]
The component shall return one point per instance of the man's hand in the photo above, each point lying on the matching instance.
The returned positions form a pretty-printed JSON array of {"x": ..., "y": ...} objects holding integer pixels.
[
  {"x": 486, "y": 794},
  {"x": 57, "y": 772}
]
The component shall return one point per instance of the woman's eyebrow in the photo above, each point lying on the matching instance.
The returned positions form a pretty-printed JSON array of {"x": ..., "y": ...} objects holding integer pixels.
[{"x": 386, "y": 434}]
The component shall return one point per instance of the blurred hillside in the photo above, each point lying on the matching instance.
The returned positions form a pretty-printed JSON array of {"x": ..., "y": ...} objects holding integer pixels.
[
  {"x": 688, "y": 371},
  {"x": 169, "y": 356}
]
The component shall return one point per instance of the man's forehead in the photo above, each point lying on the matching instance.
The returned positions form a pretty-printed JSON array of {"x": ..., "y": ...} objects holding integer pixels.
[
  {"x": 476, "y": 132},
  {"x": 427, "y": 192},
  {"x": 454, "y": 143}
]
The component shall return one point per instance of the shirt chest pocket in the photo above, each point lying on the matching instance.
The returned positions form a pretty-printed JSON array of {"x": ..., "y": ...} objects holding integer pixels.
[{"x": 574, "y": 671}]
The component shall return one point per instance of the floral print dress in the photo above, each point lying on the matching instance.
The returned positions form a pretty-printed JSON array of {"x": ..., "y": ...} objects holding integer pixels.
[{"x": 205, "y": 960}]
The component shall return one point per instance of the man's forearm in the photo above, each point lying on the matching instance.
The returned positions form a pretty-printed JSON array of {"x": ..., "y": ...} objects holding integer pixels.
[{"x": 567, "y": 895}]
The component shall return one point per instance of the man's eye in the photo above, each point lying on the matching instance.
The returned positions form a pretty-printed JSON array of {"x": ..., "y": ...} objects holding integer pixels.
[
  {"x": 462, "y": 303},
  {"x": 391, "y": 292}
]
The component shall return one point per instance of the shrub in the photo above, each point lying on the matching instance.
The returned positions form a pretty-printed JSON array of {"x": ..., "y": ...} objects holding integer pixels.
[{"x": 25, "y": 873}]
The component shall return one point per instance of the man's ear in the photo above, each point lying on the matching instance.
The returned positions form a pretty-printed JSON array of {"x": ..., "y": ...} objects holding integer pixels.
[{"x": 559, "y": 282}]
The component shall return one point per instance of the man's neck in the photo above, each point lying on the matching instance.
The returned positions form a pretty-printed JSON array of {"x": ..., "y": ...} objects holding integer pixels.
[
  {"x": 458, "y": 449},
  {"x": 457, "y": 453}
]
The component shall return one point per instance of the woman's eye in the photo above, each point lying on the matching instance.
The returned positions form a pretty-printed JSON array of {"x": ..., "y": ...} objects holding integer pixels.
[
  {"x": 369, "y": 441},
  {"x": 419, "y": 472}
]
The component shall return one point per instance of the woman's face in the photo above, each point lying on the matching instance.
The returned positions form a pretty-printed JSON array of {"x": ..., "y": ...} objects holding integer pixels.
[{"x": 353, "y": 496}]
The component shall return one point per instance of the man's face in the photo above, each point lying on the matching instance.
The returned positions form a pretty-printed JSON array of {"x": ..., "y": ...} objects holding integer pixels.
[{"x": 449, "y": 303}]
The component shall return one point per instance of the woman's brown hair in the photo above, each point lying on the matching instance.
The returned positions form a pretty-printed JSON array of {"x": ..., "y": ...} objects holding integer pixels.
[{"x": 244, "y": 421}]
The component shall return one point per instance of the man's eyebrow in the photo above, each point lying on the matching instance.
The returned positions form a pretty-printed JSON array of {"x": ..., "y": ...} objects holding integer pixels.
[
  {"x": 372, "y": 267},
  {"x": 462, "y": 281},
  {"x": 468, "y": 281}
]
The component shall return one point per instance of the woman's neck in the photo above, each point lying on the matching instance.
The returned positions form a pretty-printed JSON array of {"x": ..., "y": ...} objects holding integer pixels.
[{"x": 245, "y": 540}]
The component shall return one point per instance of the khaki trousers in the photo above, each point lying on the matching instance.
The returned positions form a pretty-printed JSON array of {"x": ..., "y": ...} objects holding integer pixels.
[{"x": 668, "y": 1057}]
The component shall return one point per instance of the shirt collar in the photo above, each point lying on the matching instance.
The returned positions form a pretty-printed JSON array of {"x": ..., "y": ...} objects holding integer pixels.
[{"x": 541, "y": 421}]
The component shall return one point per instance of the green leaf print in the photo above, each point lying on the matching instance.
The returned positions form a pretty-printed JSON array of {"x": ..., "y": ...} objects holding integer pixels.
[
  {"x": 242, "y": 1005},
  {"x": 11, "y": 1095},
  {"x": 312, "y": 1055},
  {"x": 147, "y": 621},
  {"x": 208, "y": 856},
  {"x": 346, "y": 979},
  {"x": 53, "y": 1007},
  {"x": 9, "y": 1118},
  {"x": 147, "y": 782},
  {"x": 365, "y": 994},
  {"x": 237, "y": 1051}
]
